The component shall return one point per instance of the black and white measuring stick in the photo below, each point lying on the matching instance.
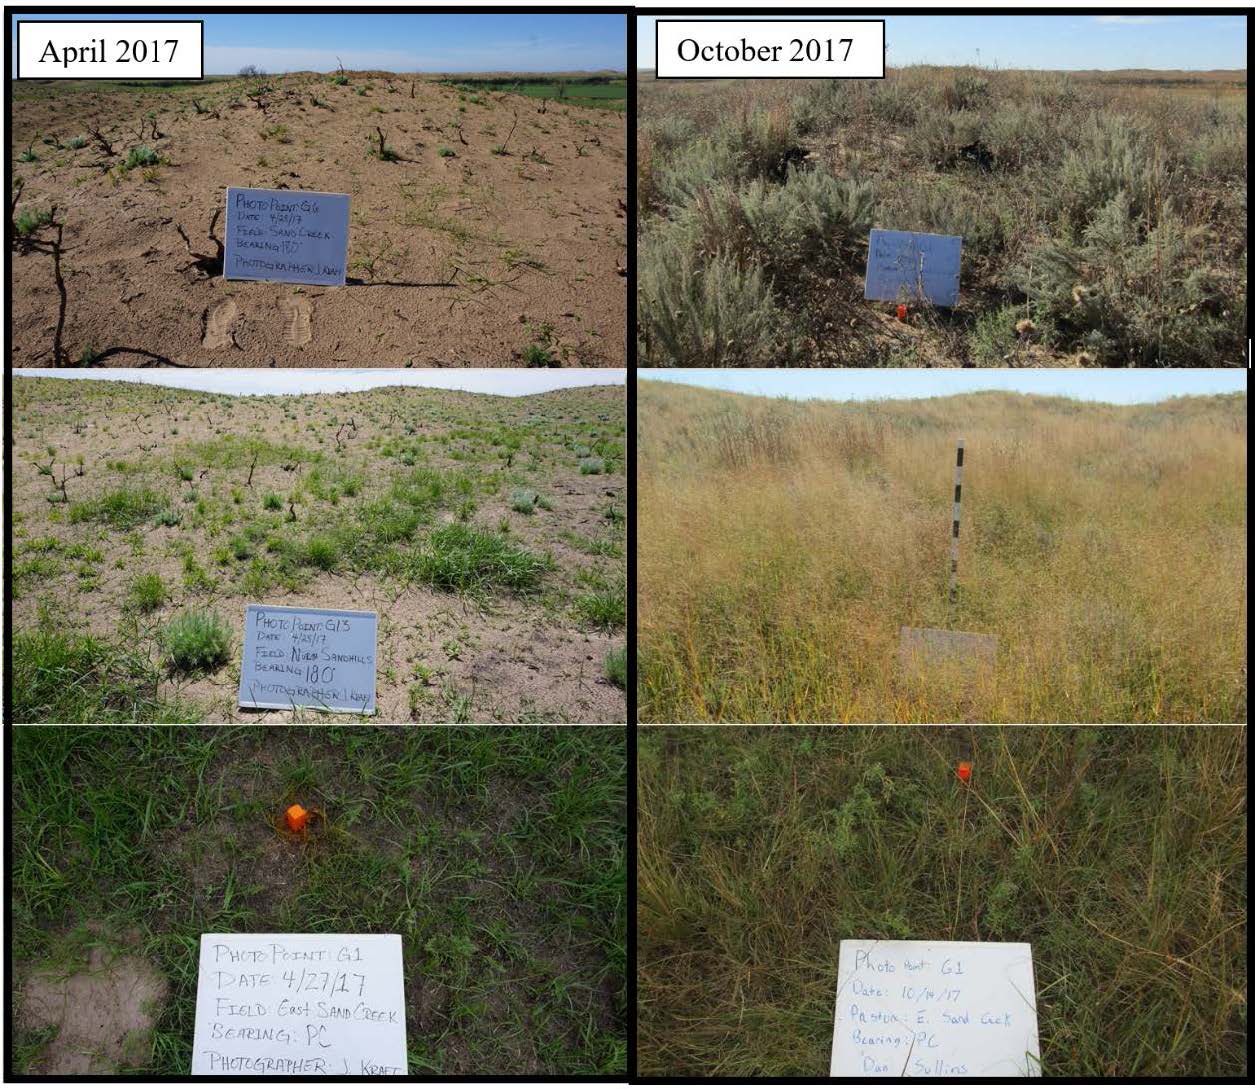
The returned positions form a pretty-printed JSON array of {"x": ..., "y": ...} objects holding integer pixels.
[{"x": 954, "y": 533}]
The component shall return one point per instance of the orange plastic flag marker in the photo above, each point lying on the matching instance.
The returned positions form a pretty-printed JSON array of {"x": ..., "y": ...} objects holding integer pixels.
[
  {"x": 901, "y": 311},
  {"x": 965, "y": 771},
  {"x": 298, "y": 817}
]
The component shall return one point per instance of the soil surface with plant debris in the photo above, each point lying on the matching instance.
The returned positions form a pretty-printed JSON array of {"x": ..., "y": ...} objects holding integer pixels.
[
  {"x": 488, "y": 533},
  {"x": 491, "y": 234}
]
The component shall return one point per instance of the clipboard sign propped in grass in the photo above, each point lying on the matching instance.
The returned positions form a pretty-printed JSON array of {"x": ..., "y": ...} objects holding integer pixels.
[
  {"x": 910, "y": 1009},
  {"x": 323, "y": 659}
]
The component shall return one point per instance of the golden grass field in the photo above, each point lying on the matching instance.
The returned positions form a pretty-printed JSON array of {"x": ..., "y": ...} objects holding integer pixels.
[{"x": 783, "y": 544}]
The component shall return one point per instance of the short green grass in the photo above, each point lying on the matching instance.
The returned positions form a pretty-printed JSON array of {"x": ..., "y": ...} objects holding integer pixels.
[
  {"x": 61, "y": 676},
  {"x": 498, "y": 854},
  {"x": 1119, "y": 853}
]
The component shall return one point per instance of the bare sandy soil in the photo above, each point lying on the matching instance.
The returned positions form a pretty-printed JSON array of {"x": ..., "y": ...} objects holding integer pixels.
[
  {"x": 325, "y": 468},
  {"x": 459, "y": 255}
]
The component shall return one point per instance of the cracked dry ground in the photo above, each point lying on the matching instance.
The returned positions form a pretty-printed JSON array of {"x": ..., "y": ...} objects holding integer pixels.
[{"x": 463, "y": 259}]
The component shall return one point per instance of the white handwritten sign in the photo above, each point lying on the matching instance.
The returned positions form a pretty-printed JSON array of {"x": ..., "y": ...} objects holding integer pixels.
[
  {"x": 300, "y": 1004},
  {"x": 284, "y": 234},
  {"x": 323, "y": 658},
  {"x": 935, "y": 1010},
  {"x": 903, "y": 266}
]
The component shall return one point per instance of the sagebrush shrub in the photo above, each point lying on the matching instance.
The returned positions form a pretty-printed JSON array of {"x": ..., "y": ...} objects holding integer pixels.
[
  {"x": 965, "y": 91},
  {"x": 937, "y": 137},
  {"x": 1018, "y": 134},
  {"x": 1131, "y": 295},
  {"x": 681, "y": 176},
  {"x": 713, "y": 313},
  {"x": 765, "y": 141},
  {"x": 893, "y": 103},
  {"x": 949, "y": 207},
  {"x": 822, "y": 107},
  {"x": 781, "y": 227},
  {"x": 196, "y": 641},
  {"x": 668, "y": 133},
  {"x": 1110, "y": 157},
  {"x": 523, "y": 500}
]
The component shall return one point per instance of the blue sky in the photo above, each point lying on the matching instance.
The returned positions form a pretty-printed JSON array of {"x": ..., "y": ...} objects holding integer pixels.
[
  {"x": 1120, "y": 387},
  {"x": 402, "y": 42},
  {"x": 263, "y": 380},
  {"x": 1065, "y": 41}
]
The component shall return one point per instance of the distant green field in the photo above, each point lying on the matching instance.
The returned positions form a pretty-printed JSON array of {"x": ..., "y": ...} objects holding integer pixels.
[{"x": 606, "y": 95}]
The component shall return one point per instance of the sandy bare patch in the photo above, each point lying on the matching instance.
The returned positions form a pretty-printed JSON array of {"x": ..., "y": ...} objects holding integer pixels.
[
  {"x": 103, "y": 1012},
  {"x": 469, "y": 248}
]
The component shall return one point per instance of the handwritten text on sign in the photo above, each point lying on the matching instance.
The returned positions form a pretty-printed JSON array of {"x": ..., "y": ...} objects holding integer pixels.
[
  {"x": 282, "y": 234},
  {"x": 903, "y": 266},
  {"x": 935, "y": 1010},
  {"x": 300, "y": 1004},
  {"x": 322, "y": 658}
]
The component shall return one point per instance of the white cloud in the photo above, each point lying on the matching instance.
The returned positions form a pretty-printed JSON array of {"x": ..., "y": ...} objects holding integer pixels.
[
  {"x": 503, "y": 382},
  {"x": 1131, "y": 20}
]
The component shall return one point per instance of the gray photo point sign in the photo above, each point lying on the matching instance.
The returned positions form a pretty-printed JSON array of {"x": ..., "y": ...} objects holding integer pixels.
[
  {"x": 286, "y": 235},
  {"x": 319, "y": 658},
  {"x": 903, "y": 266}
]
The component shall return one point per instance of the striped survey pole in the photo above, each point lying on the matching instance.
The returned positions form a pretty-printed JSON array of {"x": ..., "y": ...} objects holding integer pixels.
[{"x": 954, "y": 533}]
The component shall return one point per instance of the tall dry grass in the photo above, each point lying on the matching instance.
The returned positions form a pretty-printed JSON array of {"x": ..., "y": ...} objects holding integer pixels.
[{"x": 782, "y": 545}]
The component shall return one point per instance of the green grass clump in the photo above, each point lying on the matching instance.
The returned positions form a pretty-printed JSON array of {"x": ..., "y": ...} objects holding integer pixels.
[
  {"x": 148, "y": 592},
  {"x": 66, "y": 677},
  {"x": 123, "y": 508},
  {"x": 1113, "y": 851},
  {"x": 592, "y": 466},
  {"x": 322, "y": 553},
  {"x": 606, "y": 608},
  {"x": 462, "y": 558},
  {"x": 272, "y": 502},
  {"x": 616, "y": 667},
  {"x": 446, "y": 153},
  {"x": 196, "y": 641}
]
